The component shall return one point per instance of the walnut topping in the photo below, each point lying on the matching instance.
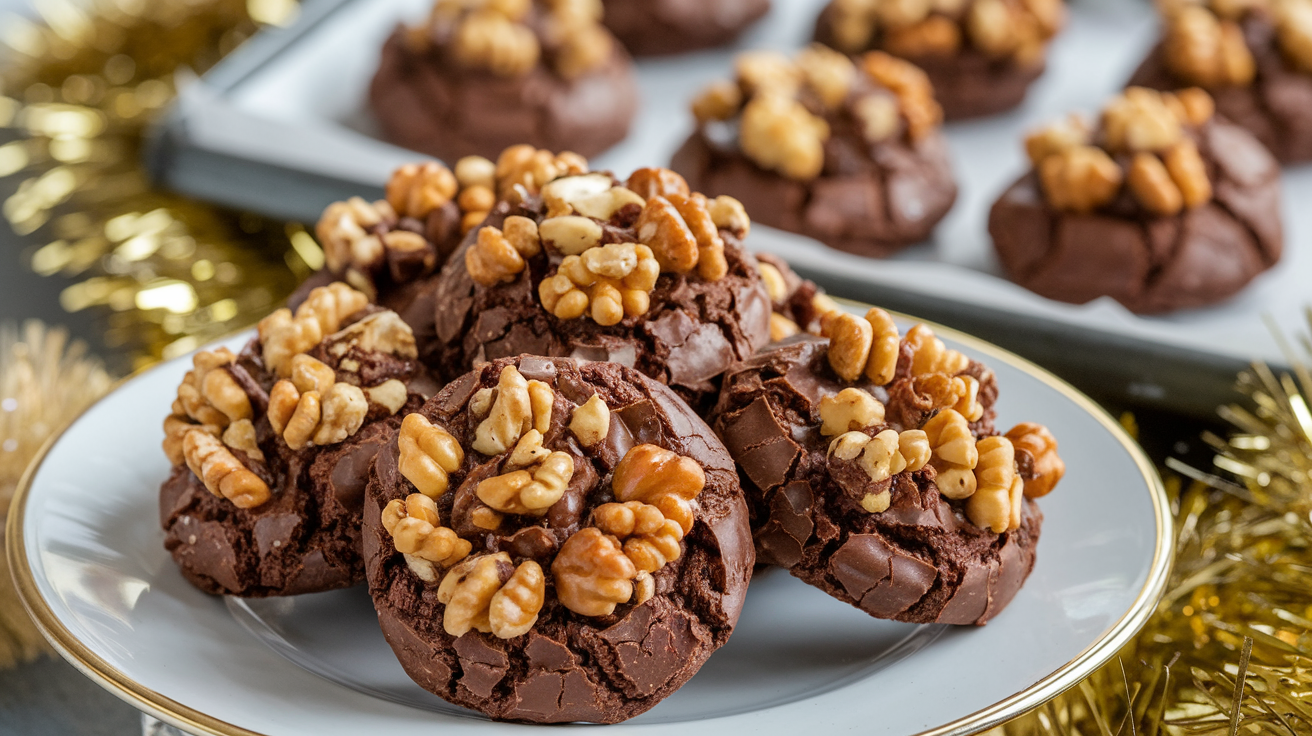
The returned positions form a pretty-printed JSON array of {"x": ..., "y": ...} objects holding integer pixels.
[
  {"x": 590, "y": 422},
  {"x": 283, "y": 335},
  {"x": 781, "y": 327},
  {"x": 381, "y": 332},
  {"x": 729, "y": 214},
  {"x": 221, "y": 472},
  {"x": 514, "y": 411},
  {"x": 1294, "y": 32},
  {"x": 850, "y": 338},
  {"x": 650, "y": 540},
  {"x": 493, "y": 258},
  {"x": 415, "y": 190},
  {"x": 912, "y": 88},
  {"x": 657, "y": 182},
  {"x": 607, "y": 282},
  {"x": 476, "y": 177},
  {"x": 774, "y": 283},
  {"x": 661, "y": 478},
  {"x": 848, "y": 410},
  {"x": 209, "y": 397},
  {"x": 532, "y": 168},
  {"x": 428, "y": 455},
  {"x": 1206, "y": 50},
  {"x": 828, "y": 72},
  {"x": 884, "y": 347},
  {"x": 240, "y": 435},
  {"x": 344, "y": 232},
  {"x": 1166, "y": 172},
  {"x": 954, "y": 453},
  {"x": 881, "y": 457},
  {"x": 1015, "y": 30},
  {"x": 930, "y": 355},
  {"x": 570, "y": 235},
  {"x": 592, "y": 573},
  {"x": 780, "y": 134},
  {"x": 417, "y": 532},
  {"x": 534, "y": 489},
  {"x": 1048, "y": 467},
  {"x": 717, "y": 102},
  {"x": 1080, "y": 179},
  {"x": 996, "y": 502},
  {"x": 490, "y": 40},
  {"x": 390, "y": 394},
  {"x": 482, "y": 594},
  {"x": 313, "y": 418}
]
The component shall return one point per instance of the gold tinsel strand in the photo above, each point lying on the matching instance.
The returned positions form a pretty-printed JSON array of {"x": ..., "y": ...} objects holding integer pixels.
[
  {"x": 45, "y": 381},
  {"x": 166, "y": 273}
]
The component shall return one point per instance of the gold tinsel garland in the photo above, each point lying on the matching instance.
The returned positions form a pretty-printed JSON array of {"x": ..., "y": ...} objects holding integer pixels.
[
  {"x": 1229, "y": 650},
  {"x": 166, "y": 273},
  {"x": 45, "y": 381}
]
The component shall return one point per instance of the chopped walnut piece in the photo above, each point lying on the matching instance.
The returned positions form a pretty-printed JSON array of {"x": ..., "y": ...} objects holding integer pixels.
[
  {"x": 1080, "y": 179},
  {"x": 590, "y": 421},
  {"x": 1042, "y": 447},
  {"x": 570, "y": 235},
  {"x": 720, "y": 100},
  {"x": 532, "y": 168},
  {"x": 994, "y": 504},
  {"x": 912, "y": 87},
  {"x": 1057, "y": 138},
  {"x": 586, "y": 47},
  {"x": 729, "y": 214},
  {"x": 1189, "y": 173},
  {"x": 850, "y": 339},
  {"x": 493, "y": 259},
  {"x": 650, "y": 540},
  {"x": 1151, "y": 184},
  {"x": 283, "y": 335},
  {"x": 657, "y": 182},
  {"x": 208, "y": 396},
  {"x": 936, "y": 35},
  {"x": 380, "y": 332},
  {"x": 828, "y": 73},
  {"x": 483, "y": 594},
  {"x": 1140, "y": 119},
  {"x": 530, "y": 491},
  {"x": 592, "y": 573},
  {"x": 417, "y": 531},
  {"x": 343, "y": 232},
  {"x": 884, "y": 455},
  {"x": 514, "y": 608},
  {"x": 695, "y": 211},
  {"x": 663, "y": 229},
  {"x": 511, "y": 415},
  {"x": 780, "y": 134},
  {"x": 240, "y": 435},
  {"x": 773, "y": 280},
  {"x": 1294, "y": 31},
  {"x": 608, "y": 282},
  {"x": 306, "y": 418},
  {"x": 849, "y": 409},
  {"x": 954, "y": 453},
  {"x": 760, "y": 72},
  {"x": 221, "y": 472},
  {"x": 660, "y": 477},
  {"x": 428, "y": 455},
  {"x": 476, "y": 171},
  {"x": 489, "y": 40},
  {"x": 390, "y": 394},
  {"x": 930, "y": 355},
  {"x": 781, "y": 327},
  {"x": 885, "y": 347},
  {"x": 415, "y": 190},
  {"x": 1205, "y": 50}
]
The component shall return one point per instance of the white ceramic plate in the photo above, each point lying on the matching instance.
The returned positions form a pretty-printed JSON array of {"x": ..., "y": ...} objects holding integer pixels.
[{"x": 87, "y": 553}]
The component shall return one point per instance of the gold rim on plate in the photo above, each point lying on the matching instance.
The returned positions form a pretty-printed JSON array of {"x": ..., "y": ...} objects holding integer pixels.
[{"x": 1057, "y": 682}]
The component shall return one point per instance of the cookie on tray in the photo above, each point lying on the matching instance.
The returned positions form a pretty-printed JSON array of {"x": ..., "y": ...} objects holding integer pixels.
[
  {"x": 981, "y": 55},
  {"x": 642, "y": 272},
  {"x": 1255, "y": 58},
  {"x": 476, "y": 77},
  {"x": 849, "y": 153},
  {"x": 271, "y": 448},
  {"x": 1162, "y": 206},
  {"x": 873, "y": 470},
  {"x": 652, "y": 27},
  {"x": 550, "y": 540}
]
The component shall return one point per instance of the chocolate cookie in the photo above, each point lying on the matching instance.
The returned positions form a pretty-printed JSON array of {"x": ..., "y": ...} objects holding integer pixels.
[
  {"x": 1255, "y": 59},
  {"x": 1164, "y": 206},
  {"x": 873, "y": 471},
  {"x": 272, "y": 447},
  {"x": 651, "y": 27},
  {"x": 551, "y": 541},
  {"x": 981, "y": 55},
  {"x": 648, "y": 275},
  {"x": 475, "y": 78},
  {"x": 850, "y": 155}
]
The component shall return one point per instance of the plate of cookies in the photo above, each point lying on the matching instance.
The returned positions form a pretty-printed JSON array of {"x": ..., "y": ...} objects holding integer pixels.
[{"x": 590, "y": 462}]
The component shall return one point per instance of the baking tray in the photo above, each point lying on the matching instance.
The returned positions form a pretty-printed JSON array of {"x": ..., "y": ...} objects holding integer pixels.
[{"x": 281, "y": 127}]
